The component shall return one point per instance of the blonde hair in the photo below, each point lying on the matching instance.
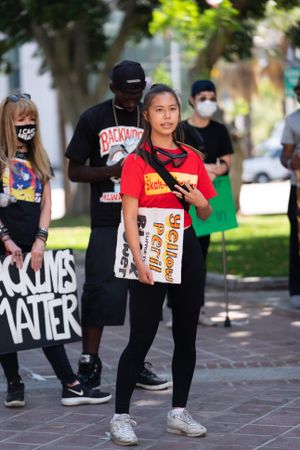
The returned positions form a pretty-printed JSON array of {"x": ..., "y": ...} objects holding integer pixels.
[{"x": 8, "y": 139}]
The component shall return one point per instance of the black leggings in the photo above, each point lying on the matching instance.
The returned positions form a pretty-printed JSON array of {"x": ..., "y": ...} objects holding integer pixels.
[
  {"x": 294, "y": 259},
  {"x": 56, "y": 356},
  {"x": 204, "y": 242},
  {"x": 145, "y": 312}
]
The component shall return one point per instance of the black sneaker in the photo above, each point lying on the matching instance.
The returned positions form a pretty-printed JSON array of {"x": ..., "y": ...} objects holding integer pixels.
[
  {"x": 89, "y": 370},
  {"x": 82, "y": 395},
  {"x": 149, "y": 381},
  {"x": 15, "y": 394}
]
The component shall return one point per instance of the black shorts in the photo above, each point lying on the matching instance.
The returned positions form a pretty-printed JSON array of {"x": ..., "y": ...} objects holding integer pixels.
[{"x": 104, "y": 296}]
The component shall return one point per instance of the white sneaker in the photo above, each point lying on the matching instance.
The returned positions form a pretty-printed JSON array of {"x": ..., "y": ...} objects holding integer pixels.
[
  {"x": 205, "y": 320},
  {"x": 183, "y": 423},
  {"x": 121, "y": 431}
]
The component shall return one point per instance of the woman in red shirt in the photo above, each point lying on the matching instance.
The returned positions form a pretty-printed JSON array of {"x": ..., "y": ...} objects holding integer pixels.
[{"x": 141, "y": 186}]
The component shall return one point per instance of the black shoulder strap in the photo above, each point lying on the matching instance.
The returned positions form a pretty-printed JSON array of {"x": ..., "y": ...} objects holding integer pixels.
[{"x": 163, "y": 173}]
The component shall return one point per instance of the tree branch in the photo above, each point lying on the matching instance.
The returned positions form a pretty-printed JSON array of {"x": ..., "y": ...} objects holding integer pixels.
[{"x": 116, "y": 48}]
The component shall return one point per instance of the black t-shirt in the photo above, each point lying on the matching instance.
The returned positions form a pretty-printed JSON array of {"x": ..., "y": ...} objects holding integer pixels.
[
  {"x": 213, "y": 140},
  {"x": 22, "y": 217},
  {"x": 95, "y": 134}
]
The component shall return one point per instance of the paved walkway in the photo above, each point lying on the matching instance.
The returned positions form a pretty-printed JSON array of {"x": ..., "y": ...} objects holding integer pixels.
[{"x": 246, "y": 388}]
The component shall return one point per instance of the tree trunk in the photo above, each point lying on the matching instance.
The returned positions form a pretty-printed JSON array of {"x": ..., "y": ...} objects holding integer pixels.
[{"x": 236, "y": 169}]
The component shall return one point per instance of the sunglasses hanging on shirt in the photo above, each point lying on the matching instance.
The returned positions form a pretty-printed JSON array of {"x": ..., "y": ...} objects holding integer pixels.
[{"x": 163, "y": 157}]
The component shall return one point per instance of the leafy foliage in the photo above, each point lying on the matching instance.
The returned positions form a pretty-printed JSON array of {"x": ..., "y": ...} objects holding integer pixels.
[
  {"x": 201, "y": 23},
  {"x": 78, "y": 25},
  {"x": 197, "y": 25},
  {"x": 19, "y": 21},
  {"x": 287, "y": 4},
  {"x": 227, "y": 30},
  {"x": 78, "y": 44},
  {"x": 293, "y": 35}
]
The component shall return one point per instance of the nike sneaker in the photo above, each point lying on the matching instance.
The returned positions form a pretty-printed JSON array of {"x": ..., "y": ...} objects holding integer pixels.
[
  {"x": 89, "y": 370},
  {"x": 15, "y": 394},
  {"x": 81, "y": 395},
  {"x": 150, "y": 381}
]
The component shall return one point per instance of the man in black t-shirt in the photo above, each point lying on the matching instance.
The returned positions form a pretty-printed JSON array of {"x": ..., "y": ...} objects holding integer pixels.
[
  {"x": 212, "y": 139},
  {"x": 104, "y": 134}
]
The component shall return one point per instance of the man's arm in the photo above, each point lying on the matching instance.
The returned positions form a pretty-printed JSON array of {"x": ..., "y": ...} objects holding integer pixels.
[
  {"x": 289, "y": 158},
  {"x": 82, "y": 173}
]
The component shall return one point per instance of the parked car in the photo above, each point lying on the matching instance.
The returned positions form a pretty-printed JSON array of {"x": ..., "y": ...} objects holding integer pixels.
[{"x": 264, "y": 167}]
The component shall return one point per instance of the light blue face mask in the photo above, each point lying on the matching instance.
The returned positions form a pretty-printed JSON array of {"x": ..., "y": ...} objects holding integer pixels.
[{"x": 207, "y": 108}]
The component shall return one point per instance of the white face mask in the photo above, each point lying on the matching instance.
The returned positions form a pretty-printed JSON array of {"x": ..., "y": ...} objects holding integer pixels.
[{"x": 206, "y": 109}]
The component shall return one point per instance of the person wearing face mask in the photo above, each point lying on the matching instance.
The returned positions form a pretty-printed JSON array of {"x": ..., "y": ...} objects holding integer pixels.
[
  {"x": 204, "y": 133},
  {"x": 25, "y": 175},
  {"x": 290, "y": 158}
]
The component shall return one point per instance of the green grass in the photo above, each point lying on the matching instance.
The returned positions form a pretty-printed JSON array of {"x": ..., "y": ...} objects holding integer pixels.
[
  {"x": 71, "y": 232},
  {"x": 258, "y": 247}
]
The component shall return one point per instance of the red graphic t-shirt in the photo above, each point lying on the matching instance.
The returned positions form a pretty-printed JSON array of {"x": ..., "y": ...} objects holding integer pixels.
[{"x": 141, "y": 181}]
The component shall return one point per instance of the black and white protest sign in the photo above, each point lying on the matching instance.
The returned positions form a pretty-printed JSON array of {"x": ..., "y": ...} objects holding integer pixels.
[{"x": 38, "y": 309}]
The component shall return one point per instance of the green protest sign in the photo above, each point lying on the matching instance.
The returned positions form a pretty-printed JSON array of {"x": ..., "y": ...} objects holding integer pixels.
[
  {"x": 291, "y": 75},
  {"x": 223, "y": 216}
]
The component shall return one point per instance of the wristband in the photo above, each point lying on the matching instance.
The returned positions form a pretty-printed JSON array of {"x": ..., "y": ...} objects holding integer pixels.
[
  {"x": 40, "y": 238},
  {"x": 3, "y": 231},
  {"x": 42, "y": 233}
]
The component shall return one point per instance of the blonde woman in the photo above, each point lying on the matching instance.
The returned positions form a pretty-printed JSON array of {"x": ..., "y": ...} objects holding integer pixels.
[{"x": 25, "y": 215}]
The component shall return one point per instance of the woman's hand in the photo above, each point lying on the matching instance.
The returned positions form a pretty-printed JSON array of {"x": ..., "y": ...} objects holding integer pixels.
[
  {"x": 37, "y": 254},
  {"x": 196, "y": 198},
  {"x": 191, "y": 195},
  {"x": 212, "y": 170},
  {"x": 294, "y": 163},
  {"x": 144, "y": 274},
  {"x": 15, "y": 251},
  {"x": 221, "y": 167}
]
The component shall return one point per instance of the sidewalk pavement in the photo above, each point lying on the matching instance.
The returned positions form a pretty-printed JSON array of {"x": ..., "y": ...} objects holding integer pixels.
[{"x": 246, "y": 387}]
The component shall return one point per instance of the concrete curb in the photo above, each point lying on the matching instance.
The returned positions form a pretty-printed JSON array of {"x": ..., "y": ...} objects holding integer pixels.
[{"x": 234, "y": 283}]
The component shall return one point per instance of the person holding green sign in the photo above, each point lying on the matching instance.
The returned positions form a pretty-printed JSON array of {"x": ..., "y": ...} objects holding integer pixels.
[
  {"x": 212, "y": 139},
  {"x": 290, "y": 158}
]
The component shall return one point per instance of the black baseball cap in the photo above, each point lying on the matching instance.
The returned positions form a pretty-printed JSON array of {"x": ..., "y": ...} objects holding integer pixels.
[
  {"x": 128, "y": 77},
  {"x": 202, "y": 85}
]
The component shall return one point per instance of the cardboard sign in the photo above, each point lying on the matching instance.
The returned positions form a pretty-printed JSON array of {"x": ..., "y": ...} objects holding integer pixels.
[
  {"x": 223, "y": 216},
  {"x": 38, "y": 309},
  {"x": 161, "y": 238}
]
